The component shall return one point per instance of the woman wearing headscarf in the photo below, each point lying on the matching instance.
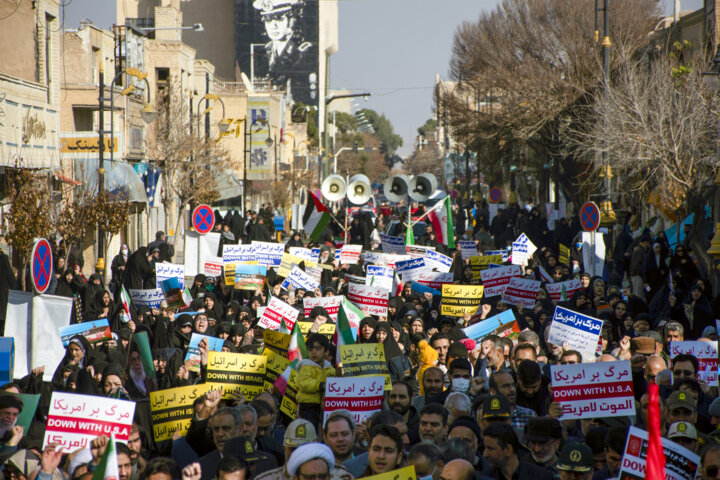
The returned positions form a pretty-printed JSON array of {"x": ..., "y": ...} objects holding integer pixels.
[
  {"x": 295, "y": 240},
  {"x": 138, "y": 269},
  {"x": 366, "y": 329},
  {"x": 64, "y": 285},
  {"x": 397, "y": 363},
  {"x": 698, "y": 312},
  {"x": 655, "y": 268},
  {"x": 117, "y": 267},
  {"x": 99, "y": 306},
  {"x": 213, "y": 308}
]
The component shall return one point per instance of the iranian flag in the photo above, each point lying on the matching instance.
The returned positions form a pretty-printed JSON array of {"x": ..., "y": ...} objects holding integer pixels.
[
  {"x": 125, "y": 299},
  {"x": 352, "y": 314},
  {"x": 441, "y": 219},
  {"x": 297, "y": 348},
  {"x": 107, "y": 469},
  {"x": 316, "y": 217},
  {"x": 282, "y": 381},
  {"x": 345, "y": 334}
]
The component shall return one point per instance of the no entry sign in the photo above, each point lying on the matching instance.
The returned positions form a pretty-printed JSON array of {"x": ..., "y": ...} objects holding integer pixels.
[
  {"x": 495, "y": 194},
  {"x": 41, "y": 265},
  {"x": 203, "y": 219},
  {"x": 590, "y": 217}
]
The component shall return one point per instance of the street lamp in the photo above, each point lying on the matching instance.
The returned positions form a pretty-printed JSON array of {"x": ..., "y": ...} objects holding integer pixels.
[
  {"x": 223, "y": 124},
  {"x": 148, "y": 114}
]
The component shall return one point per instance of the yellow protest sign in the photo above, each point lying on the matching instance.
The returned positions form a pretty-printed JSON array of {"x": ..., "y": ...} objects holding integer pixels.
[
  {"x": 288, "y": 261},
  {"x": 327, "y": 329},
  {"x": 288, "y": 404},
  {"x": 480, "y": 263},
  {"x": 457, "y": 300},
  {"x": 276, "y": 341},
  {"x": 405, "y": 473},
  {"x": 172, "y": 409},
  {"x": 363, "y": 359},
  {"x": 274, "y": 367},
  {"x": 564, "y": 256},
  {"x": 234, "y": 372}
]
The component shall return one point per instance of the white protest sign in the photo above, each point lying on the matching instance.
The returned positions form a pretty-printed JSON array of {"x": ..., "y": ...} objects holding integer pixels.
[
  {"x": 379, "y": 277},
  {"x": 197, "y": 249},
  {"x": 392, "y": 244},
  {"x": 522, "y": 249},
  {"x": 417, "y": 251},
  {"x": 268, "y": 253},
  {"x": 410, "y": 269},
  {"x": 496, "y": 279},
  {"x": 242, "y": 253},
  {"x": 278, "y": 311},
  {"x": 680, "y": 463},
  {"x": 350, "y": 254},
  {"x": 503, "y": 253},
  {"x": 164, "y": 271},
  {"x": 304, "y": 253},
  {"x": 300, "y": 279},
  {"x": 212, "y": 267},
  {"x": 434, "y": 280},
  {"x": 75, "y": 420},
  {"x": 330, "y": 304},
  {"x": 149, "y": 298},
  {"x": 467, "y": 248},
  {"x": 438, "y": 261},
  {"x": 593, "y": 251},
  {"x": 706, "y": 354},
  {"x": 521, "y": 292},
  {"x": 602, "y": 389},
  {"x": 581, "y": 332},
  {"x": 371, "y": 300},
  {"x": 555, "y": 289},
  {"x": 361, "y": 396}
]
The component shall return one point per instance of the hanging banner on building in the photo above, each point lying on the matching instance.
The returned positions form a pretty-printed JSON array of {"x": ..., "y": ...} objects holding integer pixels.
[
  {"x": 521, "y": 292},
  {"x": 371, "y": 300},
  {"x": 75, "y": 420},
  {"x": 458, "y": 300},
  {"x": 258, "y": 127},
  {"x": 236, "y": 372},
  {"x": 555, "y": 289},
  {"x": 172, "y": 409},
  {"x": 278, "y": 311},
  {"x": 595, "y": 390},
  {"x": 496, "y": 279},
  {"x": 581, "y": 332},
  {"x": 680, "y": 463},
  {"x": 392, "y": 244},
  {"x": 361, "y": 396},
  {"x": 706, "y": 354}
]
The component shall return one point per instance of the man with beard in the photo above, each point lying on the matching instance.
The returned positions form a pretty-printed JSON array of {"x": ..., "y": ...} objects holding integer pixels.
[
  {"x": 135, "y": 445},
  {"x": 502, "y": 383},
  {"x": 398, "y": 400},
  {"x": 10, "y": 434},
  {"x": 139, "y": 385},
  {"x": 501, "y": 450},
  {"x": 433, "y": 382},
  {"x": 543, "y": 437},
  {"x": 339, "y": 435},
  {"x": 532, "y": 388}
]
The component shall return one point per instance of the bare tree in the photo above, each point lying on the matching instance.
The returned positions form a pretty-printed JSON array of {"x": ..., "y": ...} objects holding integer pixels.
[
  {"x": 428, "y": 159},
  {"x": 189, "y": 163},
  {"x": 658, "y": 123}
]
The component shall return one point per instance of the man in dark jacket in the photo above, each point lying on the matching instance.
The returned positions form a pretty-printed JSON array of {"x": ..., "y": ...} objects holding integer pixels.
[{"x": 501, "y": 449}]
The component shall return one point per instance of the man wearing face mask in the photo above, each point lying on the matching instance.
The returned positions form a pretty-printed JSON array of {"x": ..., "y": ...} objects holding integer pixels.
[{"x": 460, "y": 375}]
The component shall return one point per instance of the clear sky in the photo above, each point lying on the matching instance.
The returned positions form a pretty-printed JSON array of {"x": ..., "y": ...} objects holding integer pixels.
[{"x": 391, "y": 48}]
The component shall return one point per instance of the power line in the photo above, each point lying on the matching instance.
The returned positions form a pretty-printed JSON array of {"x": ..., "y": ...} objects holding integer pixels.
[{"x": 13, "y": 12}]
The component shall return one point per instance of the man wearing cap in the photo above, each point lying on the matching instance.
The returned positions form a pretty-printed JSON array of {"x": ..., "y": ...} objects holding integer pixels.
[
  {"x": 301, "y": 432},
  {"x": 680, "y": 407},
  {"x": 575, "y": 462},
  {"x": 467, "y": 429},
  {"x": 10, "y": 434},
  {"x": 684, "y": 434},
  {"x": 311, "y": 460},
  {"x": 543, "y": 436}
]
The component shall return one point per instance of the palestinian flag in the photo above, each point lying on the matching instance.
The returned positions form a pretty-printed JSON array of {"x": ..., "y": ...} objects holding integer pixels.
[
  {"x": 316, "y": 217},
  {"x": 107, "y": 469},
  {"x": 441, "y": 219},
  {"x": 143, "y": 344},
  {"x": 125, "y": 299},
  {"x": 297, "y": 349}
]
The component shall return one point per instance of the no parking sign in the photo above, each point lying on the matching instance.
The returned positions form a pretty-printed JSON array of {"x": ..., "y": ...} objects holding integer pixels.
[
  {"x": 41, "y": 265},
  {"x": 203, "y": 219}
]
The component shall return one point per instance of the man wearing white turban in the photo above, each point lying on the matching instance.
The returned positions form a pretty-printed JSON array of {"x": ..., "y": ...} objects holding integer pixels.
[{"x": 311, "y": 461}]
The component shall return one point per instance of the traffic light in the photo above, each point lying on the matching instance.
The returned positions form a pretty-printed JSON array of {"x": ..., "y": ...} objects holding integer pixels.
[
  {"x": 382, "y": 148},
  {"x": 355, "y": 147}
]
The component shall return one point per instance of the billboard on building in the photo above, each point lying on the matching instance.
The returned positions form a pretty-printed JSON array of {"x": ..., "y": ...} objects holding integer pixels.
[
  {"x": 277, "y": 41},
  {"x": 259, "y": 162}
]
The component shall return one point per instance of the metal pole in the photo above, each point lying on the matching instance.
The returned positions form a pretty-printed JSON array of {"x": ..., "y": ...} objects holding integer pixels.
[
  {"x": 245, "y": 166},
  {"x": 207, "y": 107},
  {"x": 606, "y": 70},
  {"x": 252, "y": 66},
  {"x": 101, "y": 153}
]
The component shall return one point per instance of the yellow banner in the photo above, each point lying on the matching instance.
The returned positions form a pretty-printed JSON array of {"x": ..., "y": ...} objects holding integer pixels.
[
  {"x": 87, "y": 144},
  {"x": 234, "y": 372},
  {"x": 405, "y": 473},
  {"x": 288, "y": 404},
  {"x": 288, "y": 261},
  {"x": 363, "y": 359},
  {"x": 276, "y": 341},
  {"x": 457, "y": 300},
  {"x": 480, "y": 263},
  {"x": 564, "y": 256},
  {"x": 274, "y": 367},
  {"x": 172, "y": 409},
  {"x": 327, "y": 329}
]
